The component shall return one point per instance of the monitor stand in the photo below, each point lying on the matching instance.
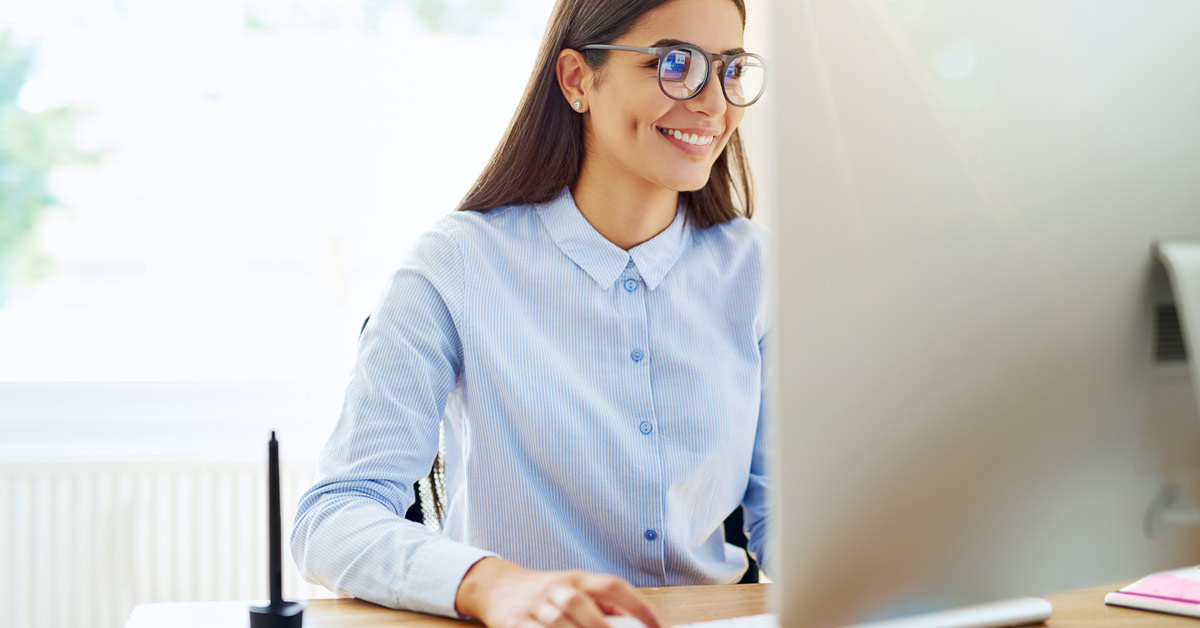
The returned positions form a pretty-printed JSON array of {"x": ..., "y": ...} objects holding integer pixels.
[
  {"x": 1016, "y": 612},
  {"x": 1181, "y": 259}
]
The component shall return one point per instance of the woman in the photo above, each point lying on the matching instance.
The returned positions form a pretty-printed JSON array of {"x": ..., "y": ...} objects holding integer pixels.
[{"x": 591, "y": 329}]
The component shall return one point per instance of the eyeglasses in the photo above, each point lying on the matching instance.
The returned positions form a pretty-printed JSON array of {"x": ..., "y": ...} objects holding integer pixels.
[{"x": 681, "y": 77}]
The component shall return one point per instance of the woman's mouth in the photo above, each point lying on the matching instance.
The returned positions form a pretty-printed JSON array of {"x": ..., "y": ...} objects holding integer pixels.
[{"x": 690, "y": 141}]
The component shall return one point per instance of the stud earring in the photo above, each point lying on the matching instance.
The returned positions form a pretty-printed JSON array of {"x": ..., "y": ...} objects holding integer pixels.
[{"x": 578, "y": 105}]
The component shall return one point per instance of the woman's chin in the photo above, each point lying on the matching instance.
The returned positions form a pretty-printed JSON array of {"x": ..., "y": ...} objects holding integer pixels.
[{"x": 688, "y": 182}]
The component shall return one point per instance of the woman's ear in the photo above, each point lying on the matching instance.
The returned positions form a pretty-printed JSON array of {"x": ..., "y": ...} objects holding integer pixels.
[{"x": 574, "y": 77}]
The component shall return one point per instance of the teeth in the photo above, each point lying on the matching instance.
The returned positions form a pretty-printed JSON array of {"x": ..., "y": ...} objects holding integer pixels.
[{"x": 691, "y": 138}]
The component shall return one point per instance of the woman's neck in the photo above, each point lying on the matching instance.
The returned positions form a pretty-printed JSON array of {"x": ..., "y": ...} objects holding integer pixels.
[{"x": 626, "y": 212}]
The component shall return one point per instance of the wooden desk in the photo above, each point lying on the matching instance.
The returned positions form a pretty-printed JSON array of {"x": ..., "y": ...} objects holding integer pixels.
[{"x": 675, "y": 605}]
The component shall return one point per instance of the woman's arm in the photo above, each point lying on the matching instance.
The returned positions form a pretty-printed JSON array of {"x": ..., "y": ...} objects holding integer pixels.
[{"x": 350, "y": 533}]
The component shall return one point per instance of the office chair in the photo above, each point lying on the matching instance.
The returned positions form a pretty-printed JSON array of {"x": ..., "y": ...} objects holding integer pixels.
[{"x": 417, "y": 512}]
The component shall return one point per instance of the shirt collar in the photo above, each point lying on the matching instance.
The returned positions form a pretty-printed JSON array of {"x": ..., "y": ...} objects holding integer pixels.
[{"x": 605, "y": 261}]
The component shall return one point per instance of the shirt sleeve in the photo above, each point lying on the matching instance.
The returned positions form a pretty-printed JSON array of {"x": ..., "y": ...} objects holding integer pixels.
[
  {"x": 754, "y": 503},
  {"x": 350, "y": 534}
]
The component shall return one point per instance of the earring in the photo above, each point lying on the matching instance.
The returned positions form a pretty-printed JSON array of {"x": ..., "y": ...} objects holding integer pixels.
[{"x": 578, "y": 105}]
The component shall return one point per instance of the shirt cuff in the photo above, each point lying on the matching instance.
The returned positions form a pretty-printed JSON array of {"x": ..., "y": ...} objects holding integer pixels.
[{"x": 435, "y": 573}]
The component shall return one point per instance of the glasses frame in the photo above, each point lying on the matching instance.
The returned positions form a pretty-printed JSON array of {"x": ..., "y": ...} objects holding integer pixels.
[{"x": 662, "y": 52}]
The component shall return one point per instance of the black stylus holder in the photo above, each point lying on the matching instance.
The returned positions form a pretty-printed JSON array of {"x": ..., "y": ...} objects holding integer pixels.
[
  {"x": 286, "y": 615},
  {"x": 279, "y": 613}
]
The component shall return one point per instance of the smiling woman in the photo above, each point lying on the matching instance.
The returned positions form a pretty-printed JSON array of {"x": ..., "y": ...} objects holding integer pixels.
[{"x": 590, "y": 329}]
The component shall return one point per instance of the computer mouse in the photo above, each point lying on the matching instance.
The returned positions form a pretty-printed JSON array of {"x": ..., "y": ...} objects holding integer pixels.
[{"x": 624, "y": 621}]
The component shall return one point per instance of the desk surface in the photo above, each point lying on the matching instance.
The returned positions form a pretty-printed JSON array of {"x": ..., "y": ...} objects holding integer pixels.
[{"x": 675, "y": 605}]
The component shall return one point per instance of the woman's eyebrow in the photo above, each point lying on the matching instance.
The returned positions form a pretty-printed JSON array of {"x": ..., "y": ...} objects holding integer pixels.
[{"x": 679, "y": 42}]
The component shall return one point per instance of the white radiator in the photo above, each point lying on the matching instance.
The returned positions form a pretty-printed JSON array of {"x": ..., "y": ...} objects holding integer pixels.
[{"x": 82, "y": 543}]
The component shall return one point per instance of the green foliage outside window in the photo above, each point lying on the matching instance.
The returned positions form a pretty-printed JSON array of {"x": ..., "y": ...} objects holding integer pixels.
[{"x": 31, "y": 146}]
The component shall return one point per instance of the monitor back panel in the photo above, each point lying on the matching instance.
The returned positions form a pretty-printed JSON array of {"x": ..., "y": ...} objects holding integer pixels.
[{"x": 967, "y": 402}]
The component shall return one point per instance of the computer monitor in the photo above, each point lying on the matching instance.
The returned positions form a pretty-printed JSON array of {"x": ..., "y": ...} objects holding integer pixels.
[{"x": 966, "y": 400}]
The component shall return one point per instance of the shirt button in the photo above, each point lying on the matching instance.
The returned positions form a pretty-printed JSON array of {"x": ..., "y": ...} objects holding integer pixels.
[
  {"x": 630, "y": 285},
  {"x": 645, "y": 427},
  {"x": 637, "y": 355},
  {"x": 651, "y": 535}
]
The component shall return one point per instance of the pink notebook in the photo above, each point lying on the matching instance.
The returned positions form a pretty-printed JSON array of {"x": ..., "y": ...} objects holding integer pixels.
[{"x": 1176, "y": 592}]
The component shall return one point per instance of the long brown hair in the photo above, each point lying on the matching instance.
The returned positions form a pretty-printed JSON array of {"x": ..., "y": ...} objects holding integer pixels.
[{"x": 543, "y": 148}]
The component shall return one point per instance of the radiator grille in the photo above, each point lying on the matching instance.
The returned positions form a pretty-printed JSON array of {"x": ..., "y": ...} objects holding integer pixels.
[{"x": 83, "y": 543}]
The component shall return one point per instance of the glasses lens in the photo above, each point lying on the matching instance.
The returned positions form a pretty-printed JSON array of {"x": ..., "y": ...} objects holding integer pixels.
[
  {"x": 682, "y": 72},
  {"x": 744, "y": 79}
]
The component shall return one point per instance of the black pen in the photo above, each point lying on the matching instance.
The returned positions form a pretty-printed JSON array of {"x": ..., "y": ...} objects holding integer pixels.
[{"x": 277, "y": 614}]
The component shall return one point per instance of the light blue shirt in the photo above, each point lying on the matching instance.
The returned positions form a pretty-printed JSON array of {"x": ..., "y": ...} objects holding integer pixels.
[{"x": 603, "y": 409}]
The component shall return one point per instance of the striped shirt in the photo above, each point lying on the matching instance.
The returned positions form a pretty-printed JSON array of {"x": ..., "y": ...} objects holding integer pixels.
[{"x": 603, "y": 409}]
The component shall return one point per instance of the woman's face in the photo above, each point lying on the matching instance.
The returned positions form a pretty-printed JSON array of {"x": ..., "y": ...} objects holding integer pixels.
[{"x": 630, "y": 115}]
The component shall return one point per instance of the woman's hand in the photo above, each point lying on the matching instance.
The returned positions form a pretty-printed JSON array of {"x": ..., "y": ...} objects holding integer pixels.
[{"x": 505, "y": 595}]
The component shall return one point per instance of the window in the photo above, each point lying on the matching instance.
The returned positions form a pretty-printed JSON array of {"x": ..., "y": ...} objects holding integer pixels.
[{"x": 250, "y": 174}]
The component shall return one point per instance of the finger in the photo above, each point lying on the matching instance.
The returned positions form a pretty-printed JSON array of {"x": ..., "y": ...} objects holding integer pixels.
[
  {"x": 608, "y": 608},
  {"x": 578, "y": 606},
  {"x": 615, "y": 591}
]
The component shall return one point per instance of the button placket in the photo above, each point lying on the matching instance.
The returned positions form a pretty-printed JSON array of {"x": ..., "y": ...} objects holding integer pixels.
[{"x": 633, "y": 298}]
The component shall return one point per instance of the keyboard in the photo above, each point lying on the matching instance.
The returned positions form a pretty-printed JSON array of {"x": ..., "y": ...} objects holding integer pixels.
[{"x": 749, "y": 621}]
